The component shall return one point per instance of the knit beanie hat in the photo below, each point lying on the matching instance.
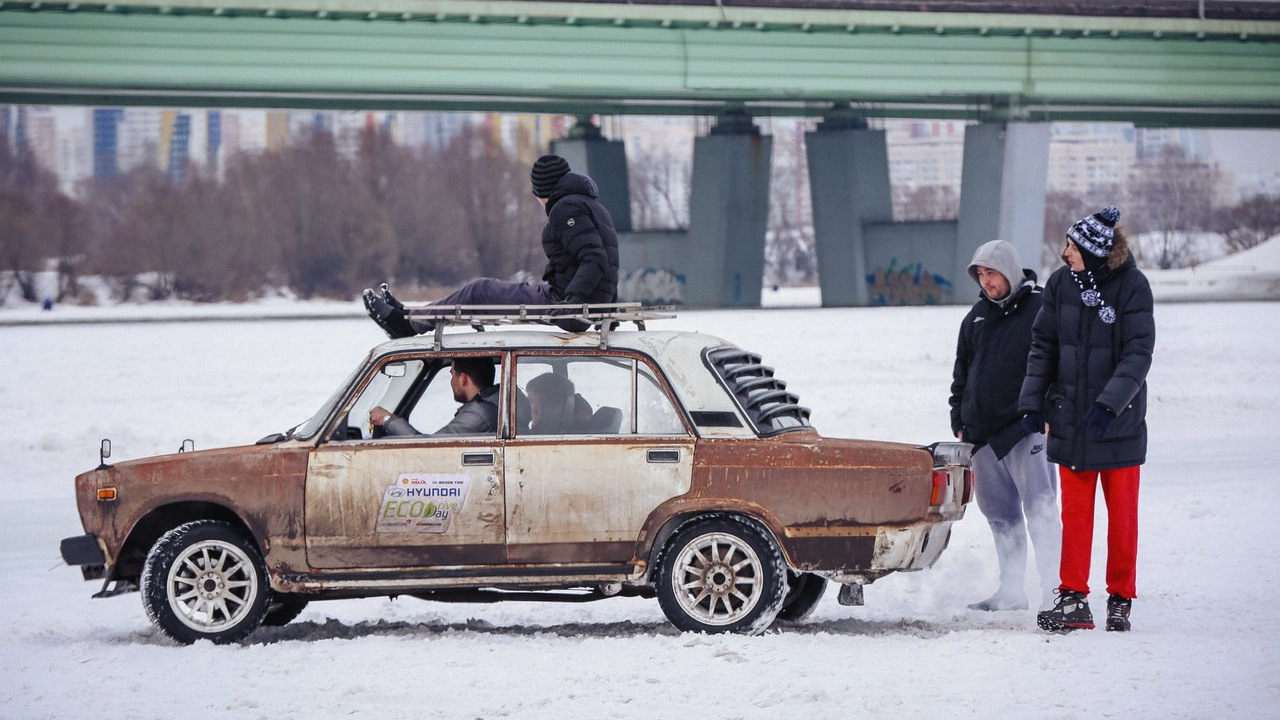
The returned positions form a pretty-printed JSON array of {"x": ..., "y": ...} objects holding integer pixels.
[
  {"x": 547, "y": 171},
  {"x": 1096, "y": 233}
]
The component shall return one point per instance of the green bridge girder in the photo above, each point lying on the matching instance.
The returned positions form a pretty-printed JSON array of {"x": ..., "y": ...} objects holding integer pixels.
[{"x": 605, "y": 58}]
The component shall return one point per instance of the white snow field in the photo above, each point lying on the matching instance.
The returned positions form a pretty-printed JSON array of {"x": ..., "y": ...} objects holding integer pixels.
[{"x": 1205, "y": 643}]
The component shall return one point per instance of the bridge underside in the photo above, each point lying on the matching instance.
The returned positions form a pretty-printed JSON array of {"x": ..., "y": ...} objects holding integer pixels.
[{"x": 606, "y": 58}]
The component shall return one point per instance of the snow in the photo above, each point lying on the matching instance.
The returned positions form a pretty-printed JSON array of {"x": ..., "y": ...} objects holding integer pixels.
[{"x": 1204, "y": 643}]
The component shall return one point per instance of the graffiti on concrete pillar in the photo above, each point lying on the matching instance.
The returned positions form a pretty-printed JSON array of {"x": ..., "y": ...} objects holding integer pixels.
[{"x": 911, "y": 284}]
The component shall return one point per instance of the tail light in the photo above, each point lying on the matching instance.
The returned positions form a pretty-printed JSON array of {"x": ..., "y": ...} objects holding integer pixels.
[
  {"x": 968, "y": 485},
  {"x": 941, "y": 479}
]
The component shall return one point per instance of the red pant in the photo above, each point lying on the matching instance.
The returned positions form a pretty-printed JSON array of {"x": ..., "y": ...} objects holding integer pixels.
[{"x": 1120, "y": 490}]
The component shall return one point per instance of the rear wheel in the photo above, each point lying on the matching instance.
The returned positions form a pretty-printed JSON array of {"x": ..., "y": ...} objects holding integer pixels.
[
  {"x": 804, "y": 591},
  {"x": 204, "y": 580},
  {"x": 722, "y": 574}
]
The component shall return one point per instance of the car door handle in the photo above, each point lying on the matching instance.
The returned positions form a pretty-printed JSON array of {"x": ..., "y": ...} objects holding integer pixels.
[
  {"x": 477, "y": 458},
  {"x": 664, "y": 456}
]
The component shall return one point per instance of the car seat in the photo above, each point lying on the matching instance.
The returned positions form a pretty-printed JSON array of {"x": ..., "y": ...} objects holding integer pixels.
[{"x": 605, "y": 421}]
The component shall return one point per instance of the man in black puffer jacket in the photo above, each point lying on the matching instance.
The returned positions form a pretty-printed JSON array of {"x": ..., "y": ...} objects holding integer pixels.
[
  {"x": 1016, "y": 489},
  {"x": 1087, "y": 378},
  {"x": 580, "y": 243}
]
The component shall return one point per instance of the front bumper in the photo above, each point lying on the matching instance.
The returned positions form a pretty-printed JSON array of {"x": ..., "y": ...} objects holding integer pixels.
[{"x": 85, "y": 551}]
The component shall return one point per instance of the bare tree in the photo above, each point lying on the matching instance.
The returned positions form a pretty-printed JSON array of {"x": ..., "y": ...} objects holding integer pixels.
[
  {"x": 659, "y": 178},
  {"x": 1249, "y": 223},
  {"x": 29, "y": 231},
  {"x": 790, "y": 247},
  {"x": 498, "y": 219},
  {"x": 926, "y": 202},
  {"x": 1173, "y": 195}
]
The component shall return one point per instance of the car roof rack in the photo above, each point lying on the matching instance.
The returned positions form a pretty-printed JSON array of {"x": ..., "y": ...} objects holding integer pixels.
[{"x": 604, "y": 317}]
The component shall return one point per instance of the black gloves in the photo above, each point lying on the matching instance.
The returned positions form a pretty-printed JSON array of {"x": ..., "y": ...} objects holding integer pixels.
[
  {"x": 1098, "y": 421},
  {"x": 1033, "y": 422}
]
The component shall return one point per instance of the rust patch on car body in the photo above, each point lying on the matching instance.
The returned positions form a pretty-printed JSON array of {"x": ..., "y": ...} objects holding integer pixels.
[
  {"x": 261, "y": 486},
  {"x": 825, "y": 499}
]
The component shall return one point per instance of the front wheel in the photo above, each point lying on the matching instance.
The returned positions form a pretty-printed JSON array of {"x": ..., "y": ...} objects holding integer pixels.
[
  {"x": 204, "y": 580},
  {"x": 722, "y": 574}
]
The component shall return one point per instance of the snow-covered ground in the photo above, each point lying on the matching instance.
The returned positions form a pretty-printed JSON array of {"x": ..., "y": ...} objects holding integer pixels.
[{"x": 1206, "y": 642}]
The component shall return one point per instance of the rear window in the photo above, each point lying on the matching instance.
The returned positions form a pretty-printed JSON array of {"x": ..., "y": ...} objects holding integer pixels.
[{"x": 763, "y": 397}]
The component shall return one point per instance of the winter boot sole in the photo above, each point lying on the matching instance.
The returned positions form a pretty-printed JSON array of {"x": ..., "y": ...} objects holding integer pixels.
[
  {"x": 391, "y": 320},
  {"x": 1056, "y": 625},
  {"x": 1117, "y": 625}
]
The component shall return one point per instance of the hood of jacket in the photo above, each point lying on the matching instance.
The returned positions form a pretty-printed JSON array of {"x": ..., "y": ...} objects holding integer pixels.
[
  {"x": 573, "y": 184},
  {"x": 1001, "y": 256}
]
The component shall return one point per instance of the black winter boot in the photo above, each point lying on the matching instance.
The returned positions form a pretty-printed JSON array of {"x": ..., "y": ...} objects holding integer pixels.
[
  {"x": 1070, "y": 612},
  {"x": 1118, "y": 613},
  {"x": 388, "y": 313}
]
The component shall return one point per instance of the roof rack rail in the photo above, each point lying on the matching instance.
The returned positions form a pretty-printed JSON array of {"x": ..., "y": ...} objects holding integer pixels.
[{"x": 604, "y": 317}]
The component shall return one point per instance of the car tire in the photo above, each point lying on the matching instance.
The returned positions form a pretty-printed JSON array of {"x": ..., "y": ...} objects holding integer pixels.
[
  {"x": 204, "y": 580},
  {"x": 282, "y": 609},
  {"x": 804, "y": 591},
  {"x": 721, "y": 574}
]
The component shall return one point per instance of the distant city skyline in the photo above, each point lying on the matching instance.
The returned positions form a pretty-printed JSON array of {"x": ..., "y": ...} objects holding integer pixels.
[{"x": 924, "y": 152}]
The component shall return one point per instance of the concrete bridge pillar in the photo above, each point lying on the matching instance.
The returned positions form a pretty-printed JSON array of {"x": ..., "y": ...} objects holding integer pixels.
[
  {"x": 728, "y": 214},
  {"x": 590, "y": 153},
  {"x": 849, "y": 184},
  {"x": 1002, "y": 192}
]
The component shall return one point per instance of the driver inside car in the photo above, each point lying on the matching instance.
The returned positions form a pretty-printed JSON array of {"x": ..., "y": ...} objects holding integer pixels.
[{"x": 471, "y": 379}]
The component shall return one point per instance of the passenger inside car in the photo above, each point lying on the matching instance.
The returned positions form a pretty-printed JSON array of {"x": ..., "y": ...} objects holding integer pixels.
[{"x": 556, "y": 409}]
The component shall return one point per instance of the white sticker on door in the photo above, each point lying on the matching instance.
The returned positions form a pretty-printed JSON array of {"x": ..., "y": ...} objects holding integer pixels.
[{"x": 421, "y": 503}]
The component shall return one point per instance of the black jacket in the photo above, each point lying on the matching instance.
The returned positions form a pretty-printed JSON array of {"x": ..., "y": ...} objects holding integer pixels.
[
  {"x": 580, "y": 243},
  {"x": 991, "y": 362},
  {"x": 1077, "y": 360}
]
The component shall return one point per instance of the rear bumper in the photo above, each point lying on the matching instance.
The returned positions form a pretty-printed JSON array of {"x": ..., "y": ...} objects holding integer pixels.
[
  {"x": 911, "y": 548},
  {"x": 85, "y": 551}
]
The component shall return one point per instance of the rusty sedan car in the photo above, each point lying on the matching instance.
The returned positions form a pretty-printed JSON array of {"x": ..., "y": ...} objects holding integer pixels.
[{"x": 675, "y": 465}]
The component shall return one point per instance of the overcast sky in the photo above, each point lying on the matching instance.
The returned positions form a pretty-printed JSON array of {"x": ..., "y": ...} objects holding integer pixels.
[{"x": 1247, "y": 150}]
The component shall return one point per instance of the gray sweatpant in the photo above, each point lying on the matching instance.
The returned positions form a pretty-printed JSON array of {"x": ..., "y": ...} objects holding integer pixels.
[{"x": 1018, "y": 494}]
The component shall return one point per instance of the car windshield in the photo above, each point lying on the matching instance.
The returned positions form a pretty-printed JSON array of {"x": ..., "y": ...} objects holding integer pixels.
[
  {"x": 764, "y": 397},
  {"x": 312, "y": 425}
]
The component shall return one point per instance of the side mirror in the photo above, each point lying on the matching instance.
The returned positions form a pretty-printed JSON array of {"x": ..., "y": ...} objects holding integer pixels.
[{"x": 104, "y": 452}]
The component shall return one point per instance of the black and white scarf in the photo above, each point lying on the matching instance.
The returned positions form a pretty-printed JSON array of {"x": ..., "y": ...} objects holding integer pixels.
[{"x": 1091, "y": 297}]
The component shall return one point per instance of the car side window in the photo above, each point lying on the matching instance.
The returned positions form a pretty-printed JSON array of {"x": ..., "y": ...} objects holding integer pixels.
[
  {"x": 387, "y": 388},
  {"x": 435, "y": 407},
  {"x": 592, "y": 395},
  {"x": 655, "y": 415},
  {"x": 420, "y": 394}
]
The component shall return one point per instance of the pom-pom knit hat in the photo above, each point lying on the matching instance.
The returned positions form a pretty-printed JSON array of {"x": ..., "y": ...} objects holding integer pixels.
[
  {"x": 547, "y": 171},
  {"x": 1096, "y": 233}
]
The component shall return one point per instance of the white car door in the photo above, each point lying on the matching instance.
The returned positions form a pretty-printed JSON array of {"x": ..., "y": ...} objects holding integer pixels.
[{"x": 581, "y": 483}]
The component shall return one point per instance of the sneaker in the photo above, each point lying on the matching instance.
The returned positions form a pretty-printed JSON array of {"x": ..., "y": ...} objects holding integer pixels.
[
  {"x": 1070, "y": 612},
  {"x": 1001, "y": 601},
  {"x": 388, "y": 316},
  {"x": 1118, "y": 613}
]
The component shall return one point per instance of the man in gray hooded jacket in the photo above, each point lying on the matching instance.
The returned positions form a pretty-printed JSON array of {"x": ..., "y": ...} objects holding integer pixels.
[
  {"x": 471, "y": 379},
  {"x": 1016, "y": 490}
]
